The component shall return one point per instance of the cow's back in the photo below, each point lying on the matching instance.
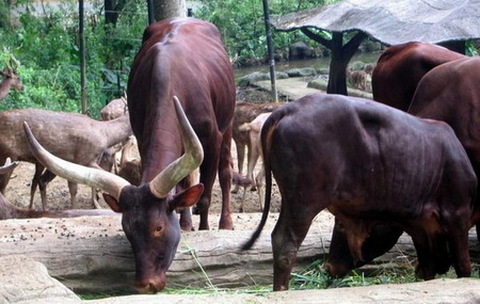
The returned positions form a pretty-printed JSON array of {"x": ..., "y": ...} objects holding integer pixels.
[
  {"x": 450, "y": 93},
  {"x": 400, "y": 68},
  {"x": 343, "y": 149},
  {"x": 185, "y": 58}
]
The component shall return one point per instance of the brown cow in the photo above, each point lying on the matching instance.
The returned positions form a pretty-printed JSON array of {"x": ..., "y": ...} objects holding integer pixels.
[
  {"x": 449, "y": 93},
  {"x": 400, "y": 68},
  {"x": 183, "y": 57},
  {"x": 368, "y": 164}
]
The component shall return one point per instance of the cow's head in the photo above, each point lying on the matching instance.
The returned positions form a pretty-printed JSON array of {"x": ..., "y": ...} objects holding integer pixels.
[
  {"x": 381, "y": 239},
  {"x": 148, "y": 211}
]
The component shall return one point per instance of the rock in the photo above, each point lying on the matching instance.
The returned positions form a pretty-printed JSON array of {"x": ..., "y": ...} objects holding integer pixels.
[
  {"x": 259, "y": 76},
  {"x": 299, "y": 50},
  {"x": 23, "y": 280},
  {"x": 451, "y": 291},
  {"x": 301, "y": 72}
]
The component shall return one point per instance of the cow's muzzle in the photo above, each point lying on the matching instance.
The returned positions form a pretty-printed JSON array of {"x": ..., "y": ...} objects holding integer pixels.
[{"x": 151, "y": 285}]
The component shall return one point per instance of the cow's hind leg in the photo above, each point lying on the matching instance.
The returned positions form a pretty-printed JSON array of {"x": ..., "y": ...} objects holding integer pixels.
[
  {"x": 35, "y": 180},
  {"x": 240, "y": 161},
  {"x": 225, "y": 180},
  {"x": 45, "y": 179},
  {"x": 287, "y": 236},
  {"x": 208, "y": 171}
]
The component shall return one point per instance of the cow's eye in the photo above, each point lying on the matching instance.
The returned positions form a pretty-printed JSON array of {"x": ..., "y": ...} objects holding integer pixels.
[{"x": 158, "y": 231}]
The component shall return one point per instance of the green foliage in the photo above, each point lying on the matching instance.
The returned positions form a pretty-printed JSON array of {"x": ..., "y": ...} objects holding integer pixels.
[
  {"x": 471, "y": 48},
  {"x": 243, "y": 27},
  {"x": 47, "y": 47}
]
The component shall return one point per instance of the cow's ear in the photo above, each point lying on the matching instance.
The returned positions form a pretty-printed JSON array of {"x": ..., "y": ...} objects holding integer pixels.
[
  {"x": 186, "y": 198},
  {"x": 112, "y": 202}
]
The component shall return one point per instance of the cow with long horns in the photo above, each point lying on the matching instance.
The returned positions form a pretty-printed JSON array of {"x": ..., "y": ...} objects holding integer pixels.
[{"x": 185, "y": 58}]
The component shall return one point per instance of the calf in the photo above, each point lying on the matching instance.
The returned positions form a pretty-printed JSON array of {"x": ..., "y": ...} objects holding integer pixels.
[
  {"x": 253, "y": 129},
  {"x": 245, "y": 112},
  {"x": 400, "y": 68},
  {"x": 368, "y": 164}
]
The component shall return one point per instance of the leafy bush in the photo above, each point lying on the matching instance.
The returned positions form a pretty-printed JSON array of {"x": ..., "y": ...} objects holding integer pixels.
[
  {"x": 47, "y": 47},
  {"x": 243, "y": 28}
]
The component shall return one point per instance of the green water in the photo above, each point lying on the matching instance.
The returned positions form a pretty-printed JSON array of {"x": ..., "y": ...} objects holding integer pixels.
[{"x": 317, "y": 63}]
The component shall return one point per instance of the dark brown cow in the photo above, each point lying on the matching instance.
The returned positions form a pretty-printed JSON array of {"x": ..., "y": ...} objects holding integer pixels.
[
  {"x": 400, "y": 68},
  {"x": 184, "y": 58},
  {"x": 450, "y": 93},
  {"x": 368, "y": 164}
]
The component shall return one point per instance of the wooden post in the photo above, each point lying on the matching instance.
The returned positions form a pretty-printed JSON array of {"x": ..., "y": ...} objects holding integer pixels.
[
  {"x": 81, "y": 32},
  {"x": 271, "y": 60}
]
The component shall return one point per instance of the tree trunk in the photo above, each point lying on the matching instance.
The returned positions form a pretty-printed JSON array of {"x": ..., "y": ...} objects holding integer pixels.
[
  {"x": 337, "y": 80},
  {"x": 341, "y": 56},
  {"x": 164, "y": 9}
]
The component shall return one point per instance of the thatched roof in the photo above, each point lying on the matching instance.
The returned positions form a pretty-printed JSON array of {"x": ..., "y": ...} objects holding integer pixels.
[{"x": 393, "y": 21}]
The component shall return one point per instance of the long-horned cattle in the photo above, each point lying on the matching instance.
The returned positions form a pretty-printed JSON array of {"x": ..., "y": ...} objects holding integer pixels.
[
  {"x": 74, "y": 137},
  {"x": 368, "y": 164},
  {"x": 245, "y": 112},
  {"x": 400, "y": 68},
  {"x": 11, "y": 80},
  {"x": 181, "y": 57}
]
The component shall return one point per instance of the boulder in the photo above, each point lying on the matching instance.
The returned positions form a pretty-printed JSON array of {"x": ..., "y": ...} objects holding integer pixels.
[{"x": 23, "y": 280}]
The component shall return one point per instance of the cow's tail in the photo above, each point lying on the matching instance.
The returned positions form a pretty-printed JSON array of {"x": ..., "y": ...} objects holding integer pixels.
[{"x": 266, "y": 140}]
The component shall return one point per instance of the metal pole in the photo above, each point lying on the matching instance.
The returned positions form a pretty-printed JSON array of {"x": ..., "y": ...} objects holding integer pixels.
[
  {"x": 151, "y": 16},
  {"x": 270, "y": 49},
  {"x": 83, "y": 82}
]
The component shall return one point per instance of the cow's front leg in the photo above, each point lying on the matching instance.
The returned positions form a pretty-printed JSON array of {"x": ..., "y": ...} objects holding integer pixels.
[{"x": 186, "y": 220}]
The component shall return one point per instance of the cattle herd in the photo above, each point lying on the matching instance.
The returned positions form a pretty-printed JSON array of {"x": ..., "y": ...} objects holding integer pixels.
[{"x": 406, "y": 161}]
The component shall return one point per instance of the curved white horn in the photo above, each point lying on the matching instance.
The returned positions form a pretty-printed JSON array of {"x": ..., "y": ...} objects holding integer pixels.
[
  {"x": 161, "y": 185},
  {"x": 92, "y": 177}
]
